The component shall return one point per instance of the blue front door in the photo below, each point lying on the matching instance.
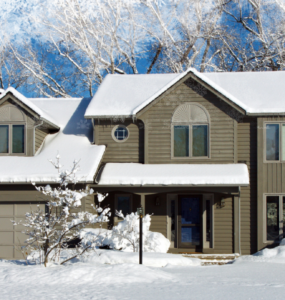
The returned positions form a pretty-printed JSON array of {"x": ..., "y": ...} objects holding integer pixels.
[{"x": 189, "y": 221}]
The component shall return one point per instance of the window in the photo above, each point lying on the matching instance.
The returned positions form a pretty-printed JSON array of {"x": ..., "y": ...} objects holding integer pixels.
[
  {"x": 120, "y": 133},
  {"x": 12, "y": 139},
  {"x": 275, "y": 142},
  {"x": 124, "y": 204},
  {"x": 190, "y": 131},
  {"x": 274, "y": 216}
]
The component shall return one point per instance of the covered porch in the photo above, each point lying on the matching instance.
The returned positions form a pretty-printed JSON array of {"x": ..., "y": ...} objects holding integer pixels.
[{"x": 196, "y": 217}]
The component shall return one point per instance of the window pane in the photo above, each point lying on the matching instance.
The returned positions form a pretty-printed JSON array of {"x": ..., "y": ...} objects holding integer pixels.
[
  {"x": 181, "y": 141},
  {"x": 18, "y": 138},
  {"x": 4, "y": 138},
  {"x": 272, "y": 215},
  {"x": 124, "y": 204},
  {"x": 272, "y": 142},
  {"x": 121, "y": 133},
  {"x": 283, "y": 141},
  {"x": 200, "y": 140}
]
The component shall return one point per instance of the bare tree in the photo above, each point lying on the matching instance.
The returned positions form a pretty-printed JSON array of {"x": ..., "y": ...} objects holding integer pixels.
[{"x": 85, "y": 40}]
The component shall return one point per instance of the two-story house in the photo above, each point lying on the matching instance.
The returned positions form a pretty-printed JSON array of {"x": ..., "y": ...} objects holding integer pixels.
[{"x": 202, "y": 152}]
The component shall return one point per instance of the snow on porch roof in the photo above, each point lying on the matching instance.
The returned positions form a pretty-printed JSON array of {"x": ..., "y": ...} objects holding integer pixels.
[{"x": 116, "y": 174}]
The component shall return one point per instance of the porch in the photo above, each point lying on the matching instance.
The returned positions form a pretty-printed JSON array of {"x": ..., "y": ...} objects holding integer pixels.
[{"x": 196, "y": 217}]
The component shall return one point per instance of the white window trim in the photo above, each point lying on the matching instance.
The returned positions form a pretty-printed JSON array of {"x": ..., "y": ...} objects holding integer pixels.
[
  {"x": 113, "y": 133},
  {"x": 280, "y": 142},
  {"x": 10, "y": 143},
  {"x": 280, "y": 195},
  {"x": 190, "y": 140}
]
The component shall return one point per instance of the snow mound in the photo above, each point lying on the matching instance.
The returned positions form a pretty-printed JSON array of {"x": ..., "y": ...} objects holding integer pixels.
[
  {"x": 125, "y": 236},
  {"x": 275, "y": 255},
  {"x": 113, "y": 257}
]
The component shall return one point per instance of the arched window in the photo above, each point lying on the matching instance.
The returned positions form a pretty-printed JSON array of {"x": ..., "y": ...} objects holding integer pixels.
[
  {"x": 12, "y": 131},
  {"x": 190, "y": 131}
]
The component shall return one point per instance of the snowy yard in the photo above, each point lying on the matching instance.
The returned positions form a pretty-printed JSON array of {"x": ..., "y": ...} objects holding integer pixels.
[{"x": 116, "y": 275}]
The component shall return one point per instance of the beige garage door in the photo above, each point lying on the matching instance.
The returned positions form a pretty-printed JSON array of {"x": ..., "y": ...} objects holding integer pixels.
[{"x": 11, "y": 237}]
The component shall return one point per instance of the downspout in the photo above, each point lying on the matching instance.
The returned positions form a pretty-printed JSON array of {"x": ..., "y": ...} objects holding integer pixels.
[
  {"x": 34, "y": 137},
  {"x": 239, "y": 221},
  {"x": 92, "y": 120}
]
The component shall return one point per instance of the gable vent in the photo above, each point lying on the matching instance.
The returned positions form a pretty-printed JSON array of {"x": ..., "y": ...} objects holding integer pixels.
[{"x": 190, "y": 112}]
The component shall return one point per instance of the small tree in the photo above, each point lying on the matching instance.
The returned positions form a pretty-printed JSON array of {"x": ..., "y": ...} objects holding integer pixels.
[{"x": 50, "y": 231}]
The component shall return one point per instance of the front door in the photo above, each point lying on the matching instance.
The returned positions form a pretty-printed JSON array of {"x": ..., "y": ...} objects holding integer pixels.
[{"x": 190, "y": 222}]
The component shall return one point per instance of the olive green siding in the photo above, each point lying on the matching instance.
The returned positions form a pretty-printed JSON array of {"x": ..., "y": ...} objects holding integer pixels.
[
  {"x": 29, "y": 126},
  {"x": 157, "y": 120},
  {"x": 271, "y": 176},
  {"x": 247, "y": 153},
  {"x": 129, "y": 151},
  {"x": 40, "y": 135},
  {"x": 159, "y": 217}
]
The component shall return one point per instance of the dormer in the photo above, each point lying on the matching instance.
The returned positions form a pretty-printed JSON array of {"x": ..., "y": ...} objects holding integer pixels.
[{"x": 23, "y": 126}]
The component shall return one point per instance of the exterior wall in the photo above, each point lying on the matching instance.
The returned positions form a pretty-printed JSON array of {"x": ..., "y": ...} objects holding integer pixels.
[
  {"x": 30, "y": 123},
  {"x": 159, "y": 218},
  {"x": 40, "y": 135},
  {"x": 247, "y": 153},
  {"x": 157, "y": 122},
  {"x": 223, "y": 226},
  {"x": 271, "y": 177},
  {"x": 129, "y": 151}
]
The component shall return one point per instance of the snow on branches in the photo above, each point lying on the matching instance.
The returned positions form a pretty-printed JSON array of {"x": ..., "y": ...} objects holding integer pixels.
[
  {"x": 52, "y": 230},
  {"x": 125, "y": 236}
]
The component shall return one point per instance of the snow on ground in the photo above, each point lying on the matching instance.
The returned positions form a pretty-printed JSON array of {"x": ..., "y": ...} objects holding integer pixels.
[{"x": 94, "y": 278}]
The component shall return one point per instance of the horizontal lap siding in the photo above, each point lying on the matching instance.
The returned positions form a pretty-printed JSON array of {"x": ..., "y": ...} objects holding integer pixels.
[
  {"x": 158, "y": 120},
  {"x": 129, "y": 151},
  {"x": 39, "y": 138},
  {"x": 223, "y": 226},
  {"x": 247, "y": 152}
]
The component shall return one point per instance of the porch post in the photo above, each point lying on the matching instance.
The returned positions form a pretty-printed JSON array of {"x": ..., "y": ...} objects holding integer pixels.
[
  {"x": 236, "y": 199},
  {"x": 143, "y": 202}
]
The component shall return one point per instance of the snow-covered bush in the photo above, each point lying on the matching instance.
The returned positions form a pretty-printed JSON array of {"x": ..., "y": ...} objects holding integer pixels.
[
  {"x": 50, "y": 231},
  {"x": 125, "y": 236}
]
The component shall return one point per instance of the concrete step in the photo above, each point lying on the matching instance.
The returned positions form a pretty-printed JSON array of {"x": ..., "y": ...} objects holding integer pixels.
[{"x": 214, "y": 259}]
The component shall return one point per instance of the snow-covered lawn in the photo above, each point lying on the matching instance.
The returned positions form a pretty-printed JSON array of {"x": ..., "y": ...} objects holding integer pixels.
[{"x": 116, "y": 275}]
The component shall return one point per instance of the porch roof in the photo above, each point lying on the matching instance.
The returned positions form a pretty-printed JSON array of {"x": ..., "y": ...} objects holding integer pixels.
[{"x": 134, "y": 174}]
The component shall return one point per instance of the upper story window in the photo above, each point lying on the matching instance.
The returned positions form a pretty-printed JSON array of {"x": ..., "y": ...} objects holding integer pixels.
[
  {"x": 12, "y": 131},
  {"x": 190, "y": 131},
  {"x": 275, "y": 141},
  {"x": 120, "y": 133}
]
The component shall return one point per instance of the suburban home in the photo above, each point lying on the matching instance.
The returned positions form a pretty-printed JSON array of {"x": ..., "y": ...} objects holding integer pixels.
[{"x": 203, "y": 152}]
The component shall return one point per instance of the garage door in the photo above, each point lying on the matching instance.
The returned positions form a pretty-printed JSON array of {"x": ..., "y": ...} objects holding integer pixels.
[{"x": 11, "y": 237}]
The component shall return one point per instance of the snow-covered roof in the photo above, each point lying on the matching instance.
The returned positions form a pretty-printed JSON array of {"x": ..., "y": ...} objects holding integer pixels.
[
  {"x": 73, "y": 141},
  {"x": 117, "y": 174},
  {"x": 259, "y": 92},
  {"x": 126, "y": 95},
  {"x": 42, "y": 114}
]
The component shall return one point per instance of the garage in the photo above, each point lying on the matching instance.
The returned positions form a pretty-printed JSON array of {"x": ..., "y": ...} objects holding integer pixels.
[{"x": 11, "y": 237}]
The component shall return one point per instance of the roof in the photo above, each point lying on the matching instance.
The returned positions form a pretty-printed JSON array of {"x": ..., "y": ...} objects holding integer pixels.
[
  {"x": 126, "y": 95},
  {"x": 44, "y": 116},
  {"x": 134, "y": 174},
  {"x": 260, "y": 92},
  {"x": 123, "y": 95},
  {"x": 73, "y": 141}
]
